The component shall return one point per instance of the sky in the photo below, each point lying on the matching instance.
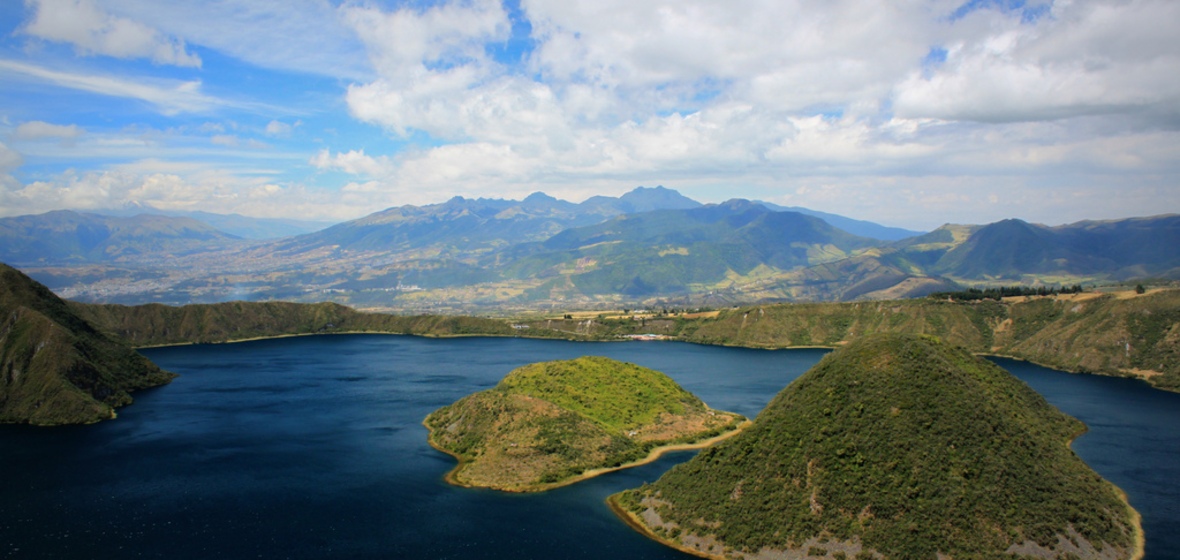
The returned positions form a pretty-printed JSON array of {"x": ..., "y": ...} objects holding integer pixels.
[{"x": 910, "y": 113}]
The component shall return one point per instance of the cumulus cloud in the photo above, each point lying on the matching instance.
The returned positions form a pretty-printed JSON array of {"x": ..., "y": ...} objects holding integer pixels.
[
  {"x": 92, "y": 31},
  {"x": 354, "y": 162},
  {"x": 910, "y": 106},
  {"x": 428, "y": 60},
  {"x": 1082, "y": 58}
]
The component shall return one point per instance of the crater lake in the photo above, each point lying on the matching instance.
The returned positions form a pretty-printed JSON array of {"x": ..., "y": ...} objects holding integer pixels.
[{"x": 312, "y": 447}]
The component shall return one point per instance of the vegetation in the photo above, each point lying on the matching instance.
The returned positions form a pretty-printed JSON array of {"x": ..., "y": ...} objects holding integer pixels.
[
  {"x": 546, "y": 424},
  {"x": 155, "y": 324},
  {"x": 896, "y": 446},
  {"x": 55, "y": 368},
  {"x": 1111, "y": 334},
  {"x": 972, "y": 294}
]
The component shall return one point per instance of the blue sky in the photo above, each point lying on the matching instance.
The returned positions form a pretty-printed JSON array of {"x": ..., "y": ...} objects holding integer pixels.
[{"x": 907, "y": 113}]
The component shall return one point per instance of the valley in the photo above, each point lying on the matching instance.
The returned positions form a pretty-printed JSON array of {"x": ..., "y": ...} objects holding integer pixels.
[{"x": 651, "y": 247}]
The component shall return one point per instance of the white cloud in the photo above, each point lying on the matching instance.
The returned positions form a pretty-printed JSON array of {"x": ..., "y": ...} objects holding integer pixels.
[
  {"x": 233, "y": 141},
  {"x": 1083, "y": 58},
  {"x": 302, "y": 36},
  {"x": 37, "y": 130},
  {"x": 780, "y": 54},
  {"x": 354, "y": 162},
  {"x": 9, "y": 159},
  {"x": 92, "y": 31},
  {"x": 170, "y": 187},
  {"x": 823, "y": 102},
  {"x": 168, "y": 96},
  {"x": 430, "y": 61},
  {"x": 280, "y": 128}
]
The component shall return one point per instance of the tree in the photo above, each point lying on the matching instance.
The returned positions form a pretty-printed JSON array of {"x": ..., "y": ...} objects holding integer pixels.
[{"x": 1139, "y": 289}]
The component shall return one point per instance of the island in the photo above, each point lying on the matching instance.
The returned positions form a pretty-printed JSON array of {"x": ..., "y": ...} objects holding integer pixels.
[
  {"x": 553, "y": 423},
  {"x": 895, "y": 446}
]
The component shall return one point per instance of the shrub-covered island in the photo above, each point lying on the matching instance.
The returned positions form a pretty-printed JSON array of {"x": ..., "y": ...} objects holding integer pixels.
[
  {"x": 553, "y": 423},
  {"x": 896, "y": 446}
]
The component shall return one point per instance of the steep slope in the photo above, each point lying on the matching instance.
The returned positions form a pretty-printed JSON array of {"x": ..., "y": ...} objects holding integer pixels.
[
  {"x": 548, "y": 424},
  {"x": 863, "y": 228},
  {"x": 54, "y": 367},
  {"x": 63, "y": 236},
  {"x": 894, "y": 447}
]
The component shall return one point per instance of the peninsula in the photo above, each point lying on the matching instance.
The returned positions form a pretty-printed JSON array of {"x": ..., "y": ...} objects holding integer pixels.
[
  {"x": 896, "y": 446},
  {"x": 55, "y": 368},
  {"x": 553, "y": 423}
]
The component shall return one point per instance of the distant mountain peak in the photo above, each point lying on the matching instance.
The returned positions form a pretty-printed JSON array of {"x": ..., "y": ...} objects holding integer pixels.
[{"x": 645, "y": 199}]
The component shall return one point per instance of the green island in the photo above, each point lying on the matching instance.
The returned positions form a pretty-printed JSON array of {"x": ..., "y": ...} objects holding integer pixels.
[
  {"x": 895, "y": 446},
  {"x": 553, "y": 423}
]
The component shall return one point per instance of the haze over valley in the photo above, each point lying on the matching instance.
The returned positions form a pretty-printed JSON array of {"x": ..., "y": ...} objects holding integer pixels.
[{"x": 651, "y": 247}]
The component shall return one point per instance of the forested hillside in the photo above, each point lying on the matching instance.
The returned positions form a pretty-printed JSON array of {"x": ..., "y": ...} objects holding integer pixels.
[{"x": 896, "y": 446}]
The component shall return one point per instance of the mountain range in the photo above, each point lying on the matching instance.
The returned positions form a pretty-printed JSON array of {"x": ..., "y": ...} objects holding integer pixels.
[{"x": 651, "y": 246}]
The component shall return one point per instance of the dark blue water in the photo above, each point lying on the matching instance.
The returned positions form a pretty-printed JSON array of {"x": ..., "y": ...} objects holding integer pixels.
[{"x": 313, "y": 448}]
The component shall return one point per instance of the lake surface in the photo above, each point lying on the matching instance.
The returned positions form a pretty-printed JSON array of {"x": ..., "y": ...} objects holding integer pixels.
[{"x": 312, "y": 448}]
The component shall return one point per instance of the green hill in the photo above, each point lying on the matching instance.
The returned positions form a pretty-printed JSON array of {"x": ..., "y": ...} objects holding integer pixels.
[
  {"x": 894, "y": 447},
  {"x": 549, "y": 424},
  {"x": 55, "y": 368}
]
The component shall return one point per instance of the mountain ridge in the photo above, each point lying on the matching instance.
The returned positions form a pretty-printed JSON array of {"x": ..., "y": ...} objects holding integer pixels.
[{"x": 55, "y": 367}]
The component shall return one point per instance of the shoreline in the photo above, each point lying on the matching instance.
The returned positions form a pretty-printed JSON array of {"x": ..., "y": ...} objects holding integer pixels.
[
  {"x": 1138, "y": 548},
  {"x": 1144, "y": 375},
  {"x": 635, "y": 523},
  {"x": 452, "y": 476}
]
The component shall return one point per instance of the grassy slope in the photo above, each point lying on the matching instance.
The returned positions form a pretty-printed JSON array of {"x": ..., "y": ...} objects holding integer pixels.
[
  {"x": 55, "y": 368},
  {"x": 617, "y": 396},
  {"x": 903, "y": 445},
  {"x": 545, "y": 424}
]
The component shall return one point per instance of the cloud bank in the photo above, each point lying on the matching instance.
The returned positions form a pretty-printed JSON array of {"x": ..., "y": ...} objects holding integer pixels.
[{"x": 909, "y": 113}]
